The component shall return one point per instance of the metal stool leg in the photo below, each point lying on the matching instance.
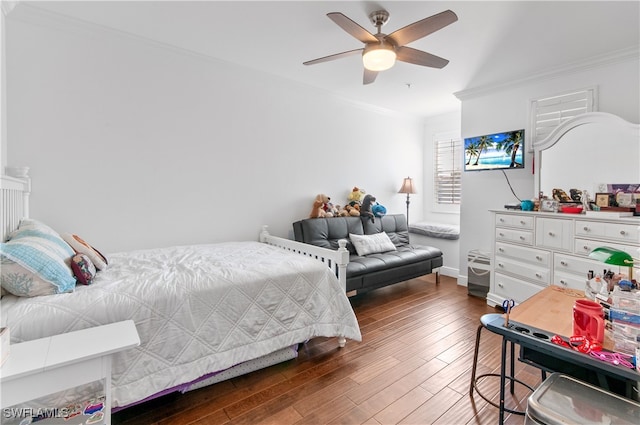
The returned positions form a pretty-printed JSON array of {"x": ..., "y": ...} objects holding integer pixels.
[
  {"x": 475, "y": 361},
  {"x": 475, "y": 378}
]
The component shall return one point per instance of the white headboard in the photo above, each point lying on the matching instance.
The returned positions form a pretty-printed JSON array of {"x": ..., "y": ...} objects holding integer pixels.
[{"x": 14, "y": 203}]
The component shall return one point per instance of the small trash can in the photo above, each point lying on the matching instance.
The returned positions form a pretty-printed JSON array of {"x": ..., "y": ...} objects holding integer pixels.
[
  {"x": 561, "y": 399},
  {"x": 478, "y": 273}
]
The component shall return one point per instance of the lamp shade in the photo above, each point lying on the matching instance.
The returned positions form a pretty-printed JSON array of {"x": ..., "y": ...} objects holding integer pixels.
[
  {"x": 379, "y": 57},
  {"x": 612, "y": 256},
  {"x": 407, "y": 186}
]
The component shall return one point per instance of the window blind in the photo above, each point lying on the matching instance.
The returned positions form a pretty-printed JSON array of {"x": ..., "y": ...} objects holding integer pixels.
[
  {"x": 448, "y": 171},
  {"x": 549, "y": 112}
]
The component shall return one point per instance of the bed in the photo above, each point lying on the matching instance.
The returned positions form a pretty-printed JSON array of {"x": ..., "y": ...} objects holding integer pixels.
[{"x": 203, "y": 312}]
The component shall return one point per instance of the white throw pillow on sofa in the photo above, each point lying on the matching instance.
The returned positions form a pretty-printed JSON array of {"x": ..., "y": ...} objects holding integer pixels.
[{"x": 372, "y": 244}]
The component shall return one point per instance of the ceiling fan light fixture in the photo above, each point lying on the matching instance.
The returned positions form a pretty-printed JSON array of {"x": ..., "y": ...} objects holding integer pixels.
[{"x": 379, "y": 57}]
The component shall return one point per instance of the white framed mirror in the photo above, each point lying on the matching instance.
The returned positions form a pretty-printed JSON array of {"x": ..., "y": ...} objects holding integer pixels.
[{"x": 586, "y": 152}]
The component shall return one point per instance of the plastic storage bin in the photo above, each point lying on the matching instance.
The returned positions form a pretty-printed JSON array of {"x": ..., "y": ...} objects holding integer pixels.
[
  {"x": 561, "y": 399},
  {"x": 478, "y": 273},
  {"x": 629, "y": 301}
]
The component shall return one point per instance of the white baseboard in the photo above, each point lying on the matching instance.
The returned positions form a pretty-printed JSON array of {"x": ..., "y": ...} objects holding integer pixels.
[{"x": 448, "y": 271}]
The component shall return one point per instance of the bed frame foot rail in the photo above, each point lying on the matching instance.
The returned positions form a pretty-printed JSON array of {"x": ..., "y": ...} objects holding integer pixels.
[{"x": 335, "y": 260}]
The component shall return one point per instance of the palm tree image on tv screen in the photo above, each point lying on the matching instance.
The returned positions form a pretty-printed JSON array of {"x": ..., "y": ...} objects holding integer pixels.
[{"x": 494, "y": 151}]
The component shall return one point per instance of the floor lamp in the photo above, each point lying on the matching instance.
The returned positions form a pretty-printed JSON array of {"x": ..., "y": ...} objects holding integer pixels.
[{"x": 408, "y": 188}]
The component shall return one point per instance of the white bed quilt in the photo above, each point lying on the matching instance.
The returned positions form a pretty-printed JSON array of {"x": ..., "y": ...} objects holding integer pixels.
[{"x": 197, "y": 309}]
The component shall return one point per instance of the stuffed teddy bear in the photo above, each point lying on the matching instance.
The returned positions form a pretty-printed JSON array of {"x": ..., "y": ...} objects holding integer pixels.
[
  {"x": 353, "y": 211},
  {"x": 365, "y": 209},
  {"x": 318, "y": 210},
  {"x": 342, "y": 212}
]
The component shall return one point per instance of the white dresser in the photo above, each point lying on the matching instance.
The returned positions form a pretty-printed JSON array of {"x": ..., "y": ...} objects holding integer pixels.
[{"x": 532, "y": 250}]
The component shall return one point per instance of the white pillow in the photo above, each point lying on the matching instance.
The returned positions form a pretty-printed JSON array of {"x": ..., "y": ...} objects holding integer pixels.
[{"x": 371, "y": 244}]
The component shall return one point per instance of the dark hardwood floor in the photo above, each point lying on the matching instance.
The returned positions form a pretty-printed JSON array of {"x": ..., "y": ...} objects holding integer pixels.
[{"x": 412, "y": 367}]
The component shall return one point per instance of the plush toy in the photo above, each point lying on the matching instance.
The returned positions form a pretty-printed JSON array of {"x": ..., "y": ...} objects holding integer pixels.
[
  {"x": 330, "y": 210},
  {"x": 353, "y": 211},
  {"x": 365, "y": 209},
  {"x": 318, "y": 210},
  {"x": 342, "y": 212},
  {"x": 378, "y": 210},
  {"x": 356, "y": 196}
]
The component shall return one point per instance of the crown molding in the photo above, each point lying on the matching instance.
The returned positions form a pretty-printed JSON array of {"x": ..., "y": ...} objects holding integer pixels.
[
  {"x": 616, "y": 56},
  {"x": 8, "y": 5}
]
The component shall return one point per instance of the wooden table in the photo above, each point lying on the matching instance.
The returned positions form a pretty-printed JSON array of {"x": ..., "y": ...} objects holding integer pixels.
[
  {"x": 532, "y": 324},
  {"x": 552, "y": 310}
]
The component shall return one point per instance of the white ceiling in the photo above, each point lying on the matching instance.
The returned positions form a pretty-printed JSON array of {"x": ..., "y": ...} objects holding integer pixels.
[{"x": 491, "y": 43}]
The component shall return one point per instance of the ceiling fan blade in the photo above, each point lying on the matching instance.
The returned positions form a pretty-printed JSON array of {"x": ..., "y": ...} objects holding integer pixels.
[
  {"x": 418, "y": 57},
  {"x": 369, "y": 76},
  {"x": 352, "y": 28},
  {"x": 422, "y": 28},
  {"x": 333, "y": 57}
]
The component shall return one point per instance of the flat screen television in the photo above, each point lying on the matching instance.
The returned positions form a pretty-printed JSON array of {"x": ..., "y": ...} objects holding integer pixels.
[{"x": 494, "y": 151}]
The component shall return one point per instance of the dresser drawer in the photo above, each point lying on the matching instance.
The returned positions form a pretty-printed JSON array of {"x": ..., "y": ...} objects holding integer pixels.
[
  {"x": 522, "y": 253},
  {"x": 540, "y": 275},
  {"x": 623, "y": 232},
  {"x": 585, "y": 246},
  {"x": 512, "y": 235},
  {"x": 509, "y": 287},
  {"x": 554, "y": 233},
  {"x": 615, "y": 231},
  {"x": 518, "y": 221},
  {"x": 569, "y": 281},
  {"x": 577, "y": 266}
]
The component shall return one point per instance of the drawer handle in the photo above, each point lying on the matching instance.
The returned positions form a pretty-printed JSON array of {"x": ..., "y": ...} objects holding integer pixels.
[
  {"x": 522, "y": 238},
  {"x": 622, "y": 232},
  {"x": 500, "y": 265},
  {"x": 563, "y": 282},
  {"x": 501, "y": 249},
  {"x": 501, "y": 220},
  {"x": 586, "y": 248},
  {"x": 551, "y": 234},
  {"x": 585, "y": 228},
  {"x": 538, "y": 275},
  {"x": 501, "y": 285},
  {"x": 564, "y": 263},
  {"x": 539, "y": 258},
  {"x": 523, "y": 222},
  {"x": 501, "y": 234}
]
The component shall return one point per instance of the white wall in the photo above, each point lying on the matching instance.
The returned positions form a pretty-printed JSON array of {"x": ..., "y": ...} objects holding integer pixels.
[
  {"x": 133, "y": 145},
  {"x": 506, "y": 108}
]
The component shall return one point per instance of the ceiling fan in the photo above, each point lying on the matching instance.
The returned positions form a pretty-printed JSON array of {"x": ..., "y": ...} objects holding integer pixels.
[{"x": 381, "y": 50}]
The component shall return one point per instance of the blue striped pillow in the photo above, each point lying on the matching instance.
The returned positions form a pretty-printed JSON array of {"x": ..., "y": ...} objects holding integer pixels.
[{"x": 36, "y": 261}]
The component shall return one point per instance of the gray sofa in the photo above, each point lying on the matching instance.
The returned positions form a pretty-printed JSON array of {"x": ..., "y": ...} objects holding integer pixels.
[{"x": 373, "y": 270}]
